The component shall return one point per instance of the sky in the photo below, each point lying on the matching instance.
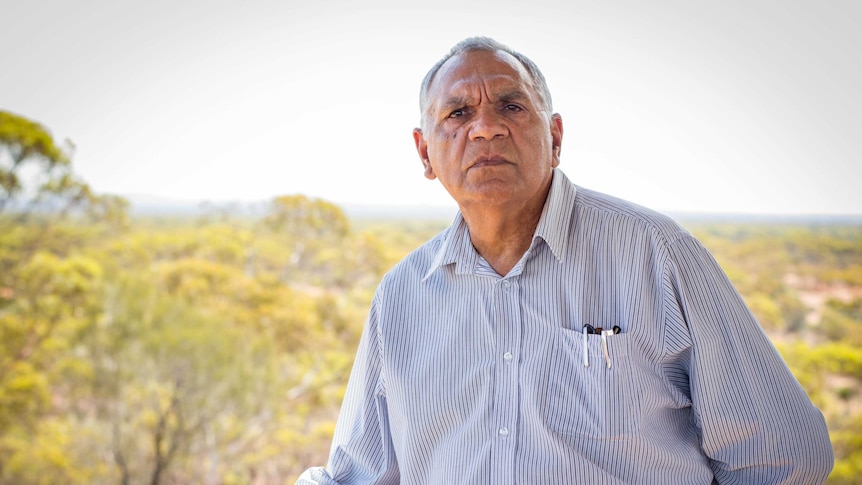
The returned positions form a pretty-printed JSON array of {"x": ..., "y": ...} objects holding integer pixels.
[{"x": 739, "y": 106}]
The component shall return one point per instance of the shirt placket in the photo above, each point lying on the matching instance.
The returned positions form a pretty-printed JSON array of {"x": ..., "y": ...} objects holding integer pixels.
[{"x": 507, "y": 334}]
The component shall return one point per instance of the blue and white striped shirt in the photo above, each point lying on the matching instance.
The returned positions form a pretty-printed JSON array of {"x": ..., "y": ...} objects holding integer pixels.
[{"x": 464, "y": 376}]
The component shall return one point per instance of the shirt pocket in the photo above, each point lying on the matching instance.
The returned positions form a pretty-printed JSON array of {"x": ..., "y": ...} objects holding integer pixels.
[{"x": 592, "y": 401}]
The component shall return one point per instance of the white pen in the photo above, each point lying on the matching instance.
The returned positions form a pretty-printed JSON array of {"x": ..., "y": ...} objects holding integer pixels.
[
  {"x": 605, "y": 334},
  {"x": 586, "y": 356}
]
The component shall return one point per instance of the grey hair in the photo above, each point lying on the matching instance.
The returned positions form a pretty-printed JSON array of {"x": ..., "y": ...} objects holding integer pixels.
[{"x": 490, "y": 45}]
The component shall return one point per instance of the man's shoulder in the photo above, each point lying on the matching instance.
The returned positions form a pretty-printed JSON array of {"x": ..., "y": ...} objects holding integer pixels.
[
  {"x": 597, "y": 207},
  {"x": 417, "y": 262}
]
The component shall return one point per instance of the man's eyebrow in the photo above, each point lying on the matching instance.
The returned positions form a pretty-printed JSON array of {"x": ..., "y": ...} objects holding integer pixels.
[
  {"x": 513, "y": 95},
  {"x": 453, "y": 102}
]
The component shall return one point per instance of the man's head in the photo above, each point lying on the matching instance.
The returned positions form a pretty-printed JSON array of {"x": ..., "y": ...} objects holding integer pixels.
[{"x": 488, "y": 134}]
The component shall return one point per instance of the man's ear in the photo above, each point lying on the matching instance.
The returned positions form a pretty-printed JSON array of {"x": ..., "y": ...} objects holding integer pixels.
[
  {"x": 556, "y": 136},
  {"x": 422, "y": 150}
]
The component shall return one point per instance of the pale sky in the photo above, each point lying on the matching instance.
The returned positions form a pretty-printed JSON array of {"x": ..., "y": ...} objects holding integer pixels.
[{"x": 743, "y": 106}]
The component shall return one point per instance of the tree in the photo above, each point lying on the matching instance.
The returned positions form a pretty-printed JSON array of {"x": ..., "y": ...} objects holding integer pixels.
[
  {"x": 50, "y": 293},
  {"x": 54, "y": 301},
  {"x": 306, "y": 227},
  {"x": 32, "y": 165}
]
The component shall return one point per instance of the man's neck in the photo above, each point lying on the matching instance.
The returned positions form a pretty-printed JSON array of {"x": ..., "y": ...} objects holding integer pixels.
[{"x": 502, "y": 235}]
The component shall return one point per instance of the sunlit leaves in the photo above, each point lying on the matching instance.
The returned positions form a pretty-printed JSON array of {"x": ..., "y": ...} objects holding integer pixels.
[{"x": 24, "y": 139}]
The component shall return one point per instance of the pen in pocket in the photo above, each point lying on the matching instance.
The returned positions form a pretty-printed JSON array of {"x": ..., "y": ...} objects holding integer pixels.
[
  {"x": 589, "y": 329},
  {"x": 605, "y": 334}
]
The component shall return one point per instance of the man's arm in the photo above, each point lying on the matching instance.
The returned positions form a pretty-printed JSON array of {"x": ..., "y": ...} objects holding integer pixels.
[
  {"x": 757, "y": 423},
  {"x": 362, "y": 451}
]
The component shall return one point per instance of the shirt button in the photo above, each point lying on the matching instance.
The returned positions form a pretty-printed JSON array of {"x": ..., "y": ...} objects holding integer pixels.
[
  {"x": 504, "y": 431},
  {"x": 507, "y": 356},
  {"x": 506, "y": 285}
]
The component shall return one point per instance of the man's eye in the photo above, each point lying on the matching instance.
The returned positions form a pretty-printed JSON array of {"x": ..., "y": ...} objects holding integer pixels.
[
  {"x": 513, "y": 107},
  {"x": 457, "y": 113}
]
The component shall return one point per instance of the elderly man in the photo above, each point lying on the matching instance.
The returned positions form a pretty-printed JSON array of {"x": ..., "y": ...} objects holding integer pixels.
[{"x": 554, "y": 334}]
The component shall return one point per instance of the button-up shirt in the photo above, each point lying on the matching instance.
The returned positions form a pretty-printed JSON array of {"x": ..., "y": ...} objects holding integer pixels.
[{"x": 465, "y": 376}]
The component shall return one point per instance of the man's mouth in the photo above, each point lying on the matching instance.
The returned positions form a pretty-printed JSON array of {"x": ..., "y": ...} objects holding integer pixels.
[{"x": 491, "y": 161}]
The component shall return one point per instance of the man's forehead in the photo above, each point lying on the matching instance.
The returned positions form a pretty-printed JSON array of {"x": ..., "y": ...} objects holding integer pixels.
[{"x": 495, "y": 68}]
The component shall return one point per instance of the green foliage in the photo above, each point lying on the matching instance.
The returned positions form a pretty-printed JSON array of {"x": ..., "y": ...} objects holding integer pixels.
[
  {"x": 183, "y": 351},
  {"x": 24, "y": 395},
  {"x": 35, "y": 172},
  {"x": 174, "y": 351},
  {"x": 23, "y": 141},
  {"x": 842, "y": 321},
  {"x": 52, "y": 301},
  {"x": 26, "y": 139},
  {"x": 847, "y": 441}
]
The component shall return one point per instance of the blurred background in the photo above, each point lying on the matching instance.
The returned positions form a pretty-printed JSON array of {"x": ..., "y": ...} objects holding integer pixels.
[{"x": 198, "y": 199}]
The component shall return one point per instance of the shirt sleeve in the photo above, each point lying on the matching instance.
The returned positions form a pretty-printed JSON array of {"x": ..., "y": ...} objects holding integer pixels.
[
  {"x": 757, "y": 424},
  {"x": 362, "y": 451}
]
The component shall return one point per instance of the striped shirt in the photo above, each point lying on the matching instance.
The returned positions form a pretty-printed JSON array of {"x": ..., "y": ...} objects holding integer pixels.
[{"x": 464, "y": 376}]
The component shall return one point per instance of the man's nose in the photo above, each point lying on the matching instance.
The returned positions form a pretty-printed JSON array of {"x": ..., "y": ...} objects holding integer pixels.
[{"x": 487, "y": 125}]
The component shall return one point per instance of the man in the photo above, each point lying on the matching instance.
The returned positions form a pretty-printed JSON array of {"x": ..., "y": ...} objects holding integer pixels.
[{"x": 553, "y": 334}]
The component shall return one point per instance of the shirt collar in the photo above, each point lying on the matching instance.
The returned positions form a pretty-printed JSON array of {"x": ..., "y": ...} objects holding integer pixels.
[
  {"x": 555, "y": 224},
  {"x": 553, "y": 228},
  {"x": 456, "y": 247}
]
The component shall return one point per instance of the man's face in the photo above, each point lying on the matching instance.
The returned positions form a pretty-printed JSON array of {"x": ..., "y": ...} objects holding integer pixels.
[{"x": 488, "y": 137}]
